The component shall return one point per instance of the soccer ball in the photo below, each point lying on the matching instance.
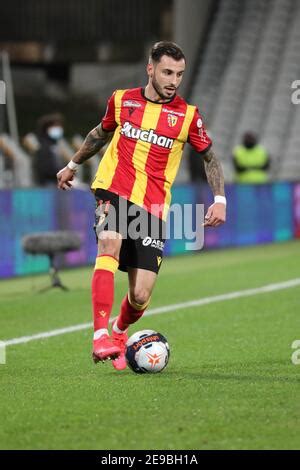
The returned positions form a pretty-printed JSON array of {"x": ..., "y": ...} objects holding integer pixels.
[{"x": 147, "y": 351}]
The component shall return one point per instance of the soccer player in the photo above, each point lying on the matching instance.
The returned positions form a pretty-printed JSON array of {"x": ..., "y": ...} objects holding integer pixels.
[{"x": 149, "y": 127}]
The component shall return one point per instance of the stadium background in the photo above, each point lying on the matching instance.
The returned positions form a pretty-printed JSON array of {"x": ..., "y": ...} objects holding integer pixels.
[
  {"x": 243, "y": 58},
  {"x": 238, "y": 67}
]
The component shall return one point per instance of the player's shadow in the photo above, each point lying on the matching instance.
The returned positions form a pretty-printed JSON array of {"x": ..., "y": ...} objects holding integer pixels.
[
  {"x": 208, "y": 372},
  {"x": 240, "y": 374},
  {"x": 235, "y": 377}
]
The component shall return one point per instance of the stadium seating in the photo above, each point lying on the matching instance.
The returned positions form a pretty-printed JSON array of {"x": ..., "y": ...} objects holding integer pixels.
[{"x": 244, "y": 80}]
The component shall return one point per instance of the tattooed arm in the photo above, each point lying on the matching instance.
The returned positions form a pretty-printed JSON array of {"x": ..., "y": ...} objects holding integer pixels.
[
  {"x": 216, "y": 214},
  {"x": 214, "y": 173},
  {"x": 94, "y": 141}
]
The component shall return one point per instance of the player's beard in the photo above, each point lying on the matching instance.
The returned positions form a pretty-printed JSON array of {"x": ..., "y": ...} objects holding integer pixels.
[{"x": 159, "y": 90}]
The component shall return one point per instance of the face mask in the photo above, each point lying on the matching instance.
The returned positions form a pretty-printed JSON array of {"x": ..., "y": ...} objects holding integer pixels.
[{"x": 55, "y": 132}]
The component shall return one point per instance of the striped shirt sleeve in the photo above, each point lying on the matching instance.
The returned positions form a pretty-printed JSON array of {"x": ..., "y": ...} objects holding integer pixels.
[
  {"x": 198, "y": 137},
  {"x": 109, "y": 122}
]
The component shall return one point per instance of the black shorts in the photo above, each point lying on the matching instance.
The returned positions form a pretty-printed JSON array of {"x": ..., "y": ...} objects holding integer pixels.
[{"x": 143, "y": 234}]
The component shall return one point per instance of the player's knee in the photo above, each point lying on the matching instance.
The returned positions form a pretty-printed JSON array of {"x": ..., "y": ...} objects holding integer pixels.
[
  {"x": 140, "y": 296},
  {"x": 109, "y": 247}
]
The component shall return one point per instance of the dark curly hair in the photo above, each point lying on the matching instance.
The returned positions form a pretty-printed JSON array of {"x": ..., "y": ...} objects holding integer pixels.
[{"x": 165, "y": 48}]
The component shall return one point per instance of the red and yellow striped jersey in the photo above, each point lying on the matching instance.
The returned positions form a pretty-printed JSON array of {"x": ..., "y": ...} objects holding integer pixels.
[{"x": 144, "y": 154}]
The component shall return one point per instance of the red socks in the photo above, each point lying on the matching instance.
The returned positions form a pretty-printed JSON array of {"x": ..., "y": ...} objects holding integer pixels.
[
  {"x": 103, "y": 291},
  {"x": 103, "y": 298},
  {"x": 130, "y": 313}
]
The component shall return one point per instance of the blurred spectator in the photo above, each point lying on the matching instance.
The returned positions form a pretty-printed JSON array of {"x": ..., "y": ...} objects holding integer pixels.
[
  {"x": 7, "y": 163},
  {"x": 30, "y": 143},
  {"x": 49, "y": 158},
  {"x": 251, "y": 161}
]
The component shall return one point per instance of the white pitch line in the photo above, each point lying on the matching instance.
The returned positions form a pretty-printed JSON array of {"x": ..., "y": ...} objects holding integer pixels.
[{"x": 168, "y": 308}]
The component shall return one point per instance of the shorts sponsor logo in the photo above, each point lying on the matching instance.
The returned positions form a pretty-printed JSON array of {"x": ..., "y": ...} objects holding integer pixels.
[
  {"x": 154, "y": 243},
  {"x": 146, "y": 136},
  {"x": 158, "y": 244},
  {"x": 147, "y": 241}
]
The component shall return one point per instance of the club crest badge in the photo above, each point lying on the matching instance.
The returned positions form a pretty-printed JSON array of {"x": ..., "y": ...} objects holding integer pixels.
[{"x": 172, "y": 120}]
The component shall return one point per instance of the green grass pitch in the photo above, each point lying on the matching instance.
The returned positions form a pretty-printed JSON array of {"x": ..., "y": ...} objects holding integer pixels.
[{"x": 230, "y": 382}]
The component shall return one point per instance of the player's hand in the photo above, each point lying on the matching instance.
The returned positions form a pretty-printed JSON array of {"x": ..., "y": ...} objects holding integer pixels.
[
  {"x": 64, "y": 178},
  {"x": 216, "y": 215}
]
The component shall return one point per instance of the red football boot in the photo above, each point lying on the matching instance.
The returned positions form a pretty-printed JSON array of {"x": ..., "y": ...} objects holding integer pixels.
[
  {"x": 120, "y": 340},
  {"x": 103, "y": 349}
]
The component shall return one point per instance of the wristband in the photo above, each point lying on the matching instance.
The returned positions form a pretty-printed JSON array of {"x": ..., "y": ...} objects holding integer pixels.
[
  {"x": 72, "y": 165},
  {"x": 220, "y": 199}
]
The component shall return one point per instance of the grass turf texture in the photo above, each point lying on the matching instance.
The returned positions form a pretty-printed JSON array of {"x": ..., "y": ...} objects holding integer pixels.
[{"x": 230, "y": 383}]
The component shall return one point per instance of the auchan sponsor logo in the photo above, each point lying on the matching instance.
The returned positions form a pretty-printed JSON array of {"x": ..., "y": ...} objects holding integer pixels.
[{"x": 146, "y": 136}]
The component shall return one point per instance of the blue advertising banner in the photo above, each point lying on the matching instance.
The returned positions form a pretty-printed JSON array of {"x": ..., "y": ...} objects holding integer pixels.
[{"x": 255, "y": 214}]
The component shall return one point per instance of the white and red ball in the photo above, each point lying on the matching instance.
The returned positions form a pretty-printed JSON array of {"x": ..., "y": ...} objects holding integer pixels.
[{"x": 147, "y": 351}]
